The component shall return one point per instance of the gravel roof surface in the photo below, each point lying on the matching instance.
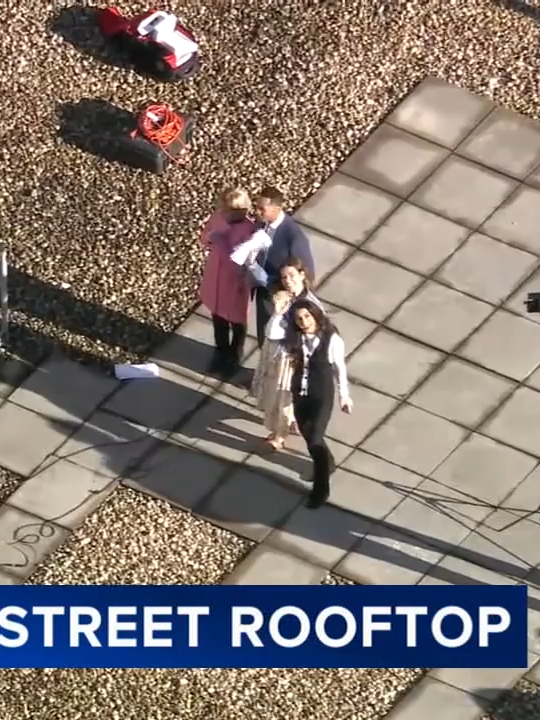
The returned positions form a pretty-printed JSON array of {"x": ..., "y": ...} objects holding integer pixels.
[
  {"x": 9, "y": 482},
  {"x": 332, "y": 579},
  {"x": 137, "y": 539},
  {"x": 287, "y": 90},
  {"x": 201, "y": 694}
]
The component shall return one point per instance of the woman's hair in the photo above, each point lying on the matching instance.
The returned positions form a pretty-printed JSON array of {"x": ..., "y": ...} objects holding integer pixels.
[
  {"x": 236, "y": 199},
  {"x": 297, "y": 264},
  {"x": 293, "y": 336}
]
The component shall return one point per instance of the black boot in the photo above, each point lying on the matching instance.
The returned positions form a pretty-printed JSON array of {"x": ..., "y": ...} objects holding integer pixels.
[
  {"x": 323, "y": 466},
  {"x": 332, "y": 469},
  {"x": 218, "y": 363},
  {"x": 315, "y": 500}
]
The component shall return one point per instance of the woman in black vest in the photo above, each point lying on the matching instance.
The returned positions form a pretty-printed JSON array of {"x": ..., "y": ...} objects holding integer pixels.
[{"x": 318, "y": 356}]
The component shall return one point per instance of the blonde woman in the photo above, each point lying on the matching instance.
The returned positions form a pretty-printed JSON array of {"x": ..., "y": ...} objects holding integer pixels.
[
  {"x": 225, "y": 288},
  {"x": 272, "y": 381}
]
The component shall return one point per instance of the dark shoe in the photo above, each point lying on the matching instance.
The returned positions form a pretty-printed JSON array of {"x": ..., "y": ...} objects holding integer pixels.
[
  {"x": 217, "y": 363},
  {"x": 332, "y": 469},
  {"x": 231, "y": 367},
  {"x": 314, "y": 502}
]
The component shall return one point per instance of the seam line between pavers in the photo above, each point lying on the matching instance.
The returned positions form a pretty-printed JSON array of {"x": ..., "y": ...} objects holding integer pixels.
[
  {"x": 107, "y": 490},
  {"x": 492, "y": 109},
  {"x": 265, "y": 545},
  {"x": 455, "y": 150},
  {"x": 444, "y": 358},
  {"x": 471, "y": 692},
  {"x": 402, "y": 698},
  {"x": 114, "y": 481},
  {"x": 438, "y": 365},
  {"x": 40, "y": 522}
]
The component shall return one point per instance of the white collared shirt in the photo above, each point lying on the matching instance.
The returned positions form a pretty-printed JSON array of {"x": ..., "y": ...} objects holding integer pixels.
[
  {"x": 336, "y": 358},
  {"x": 280, "y": 218}
]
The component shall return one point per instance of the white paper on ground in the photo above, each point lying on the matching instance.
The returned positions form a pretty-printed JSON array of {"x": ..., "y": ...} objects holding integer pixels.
[
  {"x": 260, "y": 240},
  {"x": 136, "y": 372}
]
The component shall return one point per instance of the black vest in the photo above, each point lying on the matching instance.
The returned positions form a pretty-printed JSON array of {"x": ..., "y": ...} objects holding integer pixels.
[{"x": 320, "y": 373}]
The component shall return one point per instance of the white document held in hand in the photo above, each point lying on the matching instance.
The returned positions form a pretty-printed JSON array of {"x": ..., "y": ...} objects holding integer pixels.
[{"x": 260, "y": 240}]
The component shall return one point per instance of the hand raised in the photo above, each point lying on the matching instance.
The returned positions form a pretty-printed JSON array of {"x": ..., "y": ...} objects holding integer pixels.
[{"x": 346, "y": 405}]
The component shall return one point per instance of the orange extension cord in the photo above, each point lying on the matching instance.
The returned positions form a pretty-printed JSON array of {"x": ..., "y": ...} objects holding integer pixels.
[{"x": 161, "y": 126}]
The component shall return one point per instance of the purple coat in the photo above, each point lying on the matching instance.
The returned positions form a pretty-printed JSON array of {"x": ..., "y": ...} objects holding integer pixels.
[{"x": 225, "y": 286}]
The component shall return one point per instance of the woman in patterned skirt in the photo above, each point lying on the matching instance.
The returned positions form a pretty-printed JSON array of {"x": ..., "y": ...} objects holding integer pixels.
[{"x": 272, "y": 382}]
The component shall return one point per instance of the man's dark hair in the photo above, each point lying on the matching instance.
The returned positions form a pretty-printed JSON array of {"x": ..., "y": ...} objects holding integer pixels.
[{"x": 273, "y": 195}]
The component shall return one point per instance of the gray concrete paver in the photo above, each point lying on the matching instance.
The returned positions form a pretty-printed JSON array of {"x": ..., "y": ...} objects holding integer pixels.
[
  {"x": 394, "y": 160},
  {"x": 414, "y": 439},
  {"x": 158, "y": 403},
  {"x": 267, "y": 566},
  {"x": 485, "y": 469},
  {"x": 516, "y": 422},
  {"x": 370, "y": 408},
  {"x": 516, "y": 221},
  {"x": 107, "y": 444},
  {"x": 477, "y": 230},
  {"x": 369, "y": 286},
  {"x": 250, "y": 504},
  {"x": 431, "y": 698},
  {"x": 464, "y": 192},
  {"x": 441, "y": 112},
  {"x": 25, "y": 541},
  {"x": 487, "y": 269},
  {"x": 386, "y": 556},
  {"x": 390, "y": 363},
  {"x": 180, "y": 475},
  {"x": 416, "y": 239},
  {"x": 507, "y": 344},
  {"x": 323, "y": 538},
  {"x": 439, "y": 316},
  {"x": 64, "y": 391},
  {"x": 18, "y": 425},
  {"x": 505, "y": 141},
  {"x": 461, "y": 392},
  {"x": 62, "y": 492},
  {"x": 346, "y": 209}
]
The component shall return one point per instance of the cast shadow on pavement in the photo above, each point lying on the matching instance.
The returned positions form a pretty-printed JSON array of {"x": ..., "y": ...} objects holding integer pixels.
[
  {"x": 522, "y": 701},
  {"x": 196, "y": 442}
]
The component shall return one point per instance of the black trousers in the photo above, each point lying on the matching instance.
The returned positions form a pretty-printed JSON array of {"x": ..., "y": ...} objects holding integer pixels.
[
  {"x": 312, "y": 417},
  {"x": 264, "y": 309},
  {"x": 229, "y": 338}
]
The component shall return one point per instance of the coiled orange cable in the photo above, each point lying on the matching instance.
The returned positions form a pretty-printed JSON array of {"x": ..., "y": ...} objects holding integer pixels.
[{"x": 161, "y": 125}]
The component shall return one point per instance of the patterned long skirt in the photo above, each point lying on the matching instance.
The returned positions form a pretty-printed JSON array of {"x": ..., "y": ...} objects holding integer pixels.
[{"x": 272, "y": 388}]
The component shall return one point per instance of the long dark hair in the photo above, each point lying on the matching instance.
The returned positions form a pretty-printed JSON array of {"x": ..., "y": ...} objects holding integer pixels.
[{"x": 293, "y": 335}]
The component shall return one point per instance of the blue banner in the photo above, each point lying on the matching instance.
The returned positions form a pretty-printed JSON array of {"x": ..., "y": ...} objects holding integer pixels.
[{"x": 277, "y": 627}]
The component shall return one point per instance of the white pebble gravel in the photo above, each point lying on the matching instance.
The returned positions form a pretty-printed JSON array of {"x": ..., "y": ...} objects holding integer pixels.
[
  {"x": 288, "y": 89},
  {"x": 9, "y": 482},
  {"x": 133, "y": 538}
]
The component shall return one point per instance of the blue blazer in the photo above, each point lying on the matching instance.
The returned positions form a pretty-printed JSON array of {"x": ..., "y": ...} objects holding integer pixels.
[{"x": 289, "y": 240}]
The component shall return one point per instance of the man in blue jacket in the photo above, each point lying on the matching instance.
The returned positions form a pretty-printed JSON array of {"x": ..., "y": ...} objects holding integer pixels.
[{"x": 288, "y": 240}]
